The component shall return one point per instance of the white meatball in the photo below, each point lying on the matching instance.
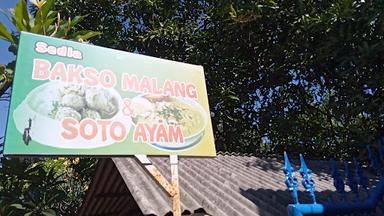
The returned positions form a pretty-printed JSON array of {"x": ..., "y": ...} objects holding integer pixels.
[
  {"x": 89, "y": 113},
  {"x": 102, "y": 101},
  {"x": 72, "y": 89},
  {"x": 64, "y": 112},
  {"x": 74, "y": 101}
]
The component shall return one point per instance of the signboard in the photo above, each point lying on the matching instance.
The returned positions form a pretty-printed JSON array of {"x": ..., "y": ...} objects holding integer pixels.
[{"x": 70, "y": 98}]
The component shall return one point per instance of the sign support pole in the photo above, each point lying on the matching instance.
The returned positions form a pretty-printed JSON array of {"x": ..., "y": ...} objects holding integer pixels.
[
  {"x": 176, "y": 205},
  {"x": 173, "y": 188}
]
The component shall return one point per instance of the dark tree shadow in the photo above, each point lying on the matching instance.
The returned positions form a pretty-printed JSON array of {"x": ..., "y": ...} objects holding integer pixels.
[{"x": 266, "y": 164}]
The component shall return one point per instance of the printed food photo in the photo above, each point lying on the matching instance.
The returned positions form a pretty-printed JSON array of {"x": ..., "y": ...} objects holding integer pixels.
[{"x": 168, "y": 110}]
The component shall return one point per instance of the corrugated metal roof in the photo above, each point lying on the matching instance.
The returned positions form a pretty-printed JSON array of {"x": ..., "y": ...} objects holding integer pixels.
[
  {"x": 226, "y": 185},
  {"x": 108, "y": 194}
]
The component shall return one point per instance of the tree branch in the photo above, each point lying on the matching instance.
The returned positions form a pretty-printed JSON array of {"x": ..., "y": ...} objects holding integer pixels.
[{"x": 4, "y": 88}]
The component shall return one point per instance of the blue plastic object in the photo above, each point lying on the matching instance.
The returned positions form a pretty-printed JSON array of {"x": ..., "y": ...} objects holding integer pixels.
[
  {"x": 354, "y": 179},
  {"x": 305, "y": 209},
  {"x": 290, "y": 178},
  {"x": 307, "y": 181}
]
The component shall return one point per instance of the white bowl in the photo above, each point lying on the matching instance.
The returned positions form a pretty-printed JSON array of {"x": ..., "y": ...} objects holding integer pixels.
[
  {"x": 189, "y": 141},
  {"x": 46, "y": 130}
]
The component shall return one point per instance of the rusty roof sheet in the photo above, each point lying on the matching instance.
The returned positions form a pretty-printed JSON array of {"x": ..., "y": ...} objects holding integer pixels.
[{"x": 225, "y": 185}]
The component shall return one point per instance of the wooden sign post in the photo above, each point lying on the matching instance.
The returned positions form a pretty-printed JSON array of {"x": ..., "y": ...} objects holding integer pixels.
[
  {"x": 173, "y": 188},
  {"x": 176, "y": 205}
]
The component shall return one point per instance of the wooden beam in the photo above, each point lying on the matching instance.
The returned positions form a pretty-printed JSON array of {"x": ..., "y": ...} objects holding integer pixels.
[
  {"x": 173, "y": 188},
  {"x": 155, "y": 173},
  {"x": 176, "y": 204}
]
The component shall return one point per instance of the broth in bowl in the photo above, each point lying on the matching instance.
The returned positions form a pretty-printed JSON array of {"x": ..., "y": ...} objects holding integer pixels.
[{"x": 167, "y": 110}]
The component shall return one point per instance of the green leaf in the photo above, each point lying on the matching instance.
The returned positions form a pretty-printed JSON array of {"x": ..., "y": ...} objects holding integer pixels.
[
  {"x": 37, "y": 24},
  {"x": 49, "y": 22},
  {"x": 52, "y": 14},
  {"x": 46, "y": 21},
  {"x": 36, "y": 28},
  {"x": 30, "y": 204},
  {"x": 77, "y": 19},
  {"x": 18, "y": 206},
  {"x": 5, "y": 34},
  {"x": 87, "y": 35},
  {"x": 232, "y": 11},
  {"x": 25, "y": 15},
  {"x": 28, "y": 214},
  {"x": 22, "y": 16},
  {"x": 47, "y": 7},
  {"x": 18, "y": 16},
  {"x": 35, "y": 167},
  {"x": 52, "y": 198},
  {"x": 233, "y": 97},
  {"x": 49, "y": 212},
  {"x": 2, "y": 69}
]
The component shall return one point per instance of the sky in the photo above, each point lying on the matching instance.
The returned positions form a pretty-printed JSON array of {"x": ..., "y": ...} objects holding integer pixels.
[{"x": 5, "y": 57}]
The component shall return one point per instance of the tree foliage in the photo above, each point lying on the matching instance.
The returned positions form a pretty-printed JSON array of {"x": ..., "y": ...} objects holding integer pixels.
[
  {"x": 45, "y": 187},
  {"x": 45, "y": 21},
  {"x": 302, "y": 76}
]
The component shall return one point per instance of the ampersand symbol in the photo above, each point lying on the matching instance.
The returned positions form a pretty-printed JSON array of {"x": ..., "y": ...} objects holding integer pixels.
[{"x": 127, "y": 108}]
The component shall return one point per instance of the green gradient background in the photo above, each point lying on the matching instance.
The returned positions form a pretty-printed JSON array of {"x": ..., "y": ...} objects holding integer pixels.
[{"x": 102, "y": 58}]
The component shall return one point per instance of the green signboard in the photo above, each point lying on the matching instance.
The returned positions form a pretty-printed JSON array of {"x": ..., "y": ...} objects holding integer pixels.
[{"x": 70, "y": 98}]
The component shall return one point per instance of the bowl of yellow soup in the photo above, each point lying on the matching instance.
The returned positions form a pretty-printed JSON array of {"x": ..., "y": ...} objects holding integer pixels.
[{"x": 171, "y": 112}]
